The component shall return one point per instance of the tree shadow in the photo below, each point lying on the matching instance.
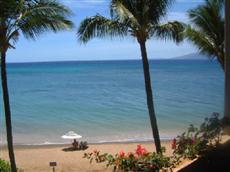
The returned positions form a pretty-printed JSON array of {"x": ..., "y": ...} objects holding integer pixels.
[
  {"x": 215, "y": 160},
  {"x": 71, "y": 149}
]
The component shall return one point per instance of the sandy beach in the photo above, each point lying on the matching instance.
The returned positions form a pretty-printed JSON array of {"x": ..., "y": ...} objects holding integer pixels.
[{"x": 37, "y": 158}]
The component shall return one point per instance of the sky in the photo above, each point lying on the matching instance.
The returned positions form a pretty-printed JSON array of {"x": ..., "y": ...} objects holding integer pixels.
[{"x": 64, "y": 45}]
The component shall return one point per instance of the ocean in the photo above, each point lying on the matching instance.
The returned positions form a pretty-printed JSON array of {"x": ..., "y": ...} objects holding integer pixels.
[{"x": 105, "y": 101}]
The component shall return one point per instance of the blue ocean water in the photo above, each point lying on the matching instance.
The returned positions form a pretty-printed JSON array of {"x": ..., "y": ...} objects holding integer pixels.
[{"x": 105, "y": 101}]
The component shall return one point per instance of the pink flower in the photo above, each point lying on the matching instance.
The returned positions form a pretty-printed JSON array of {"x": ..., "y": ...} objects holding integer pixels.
[
  {"x": 121, "y": 154},
  {"x": 144, "y": 151},
  {"x": 141, "y": 150},
  {"x": 173, "y": 144}
]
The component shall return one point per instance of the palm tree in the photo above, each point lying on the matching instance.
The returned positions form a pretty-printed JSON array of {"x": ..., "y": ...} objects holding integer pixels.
[
  {"x": 227, "y": 62},
  {"x": 30, "y": 18},
  {"x": 140, "y": 19},
  {"x": 207, "y": 33}
]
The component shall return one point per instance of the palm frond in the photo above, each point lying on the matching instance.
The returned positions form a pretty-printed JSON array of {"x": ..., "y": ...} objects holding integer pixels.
[
  {"x": 158, "y": 8},
  {"x": 171, "y": 30},
  {"x": 43, "y": 15},
  {"x": 121, "y": 13},
  {"x": 208, "y": 29},
  {"x": 205, "y": 45},
  {"x": 208, "y": 18},
  {"x": 13, "y": 37},
  {"x": 99, "y": 26},
  {"x": 145, "y": 11},
  {"x": 8, "y": 9}
]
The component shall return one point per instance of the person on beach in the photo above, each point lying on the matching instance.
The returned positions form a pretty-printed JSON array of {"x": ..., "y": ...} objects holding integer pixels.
[{"x": 75, "y": 144}]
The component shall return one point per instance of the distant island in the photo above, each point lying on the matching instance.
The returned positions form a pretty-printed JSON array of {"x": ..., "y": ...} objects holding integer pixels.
[{"x": 192, "y": 56}]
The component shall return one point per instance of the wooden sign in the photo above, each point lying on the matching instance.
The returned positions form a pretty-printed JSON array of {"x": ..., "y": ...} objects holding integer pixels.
[{"x": 53, "y": 164}]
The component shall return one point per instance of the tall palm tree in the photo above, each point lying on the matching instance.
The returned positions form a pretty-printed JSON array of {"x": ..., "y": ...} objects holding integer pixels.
[
  {"x": 227, "y": 62},
  {"x": 30, "y": 18},
  {"x": 208, "y": 34},
  {"x": 140, "y": 19}
]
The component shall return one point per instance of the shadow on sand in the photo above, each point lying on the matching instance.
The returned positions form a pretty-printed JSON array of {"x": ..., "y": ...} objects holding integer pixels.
[{"x": 71, "y": 149}]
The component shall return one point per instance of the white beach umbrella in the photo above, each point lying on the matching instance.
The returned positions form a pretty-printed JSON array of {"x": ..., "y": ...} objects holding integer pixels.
[{"x": 71, "y": 135}]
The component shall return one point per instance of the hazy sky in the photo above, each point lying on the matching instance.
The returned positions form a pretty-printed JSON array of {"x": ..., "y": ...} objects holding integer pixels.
[{"x": 65, "y": 46}]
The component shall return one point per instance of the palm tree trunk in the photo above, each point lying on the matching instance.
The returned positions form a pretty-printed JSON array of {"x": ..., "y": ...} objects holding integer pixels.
[
  {"x": 227, "y": 63},
  {"x": 149, "y": 95},
  {"x": 7, "y": 112}
]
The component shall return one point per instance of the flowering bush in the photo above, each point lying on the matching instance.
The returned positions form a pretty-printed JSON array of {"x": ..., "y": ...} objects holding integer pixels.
[
  {"x": 140, "y": 160},
  {"x": 196, "y": 141}
]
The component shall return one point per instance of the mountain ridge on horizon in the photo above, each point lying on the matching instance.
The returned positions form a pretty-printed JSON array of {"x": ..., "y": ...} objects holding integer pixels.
[{"x": 191, "y": 56}]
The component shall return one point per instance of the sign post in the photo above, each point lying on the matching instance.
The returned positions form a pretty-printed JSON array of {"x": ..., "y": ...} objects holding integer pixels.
[{"x": 53, "y": 165}]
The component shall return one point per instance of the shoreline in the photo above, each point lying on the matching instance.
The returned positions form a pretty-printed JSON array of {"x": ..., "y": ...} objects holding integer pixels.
[{"x": 55, "y": 145}]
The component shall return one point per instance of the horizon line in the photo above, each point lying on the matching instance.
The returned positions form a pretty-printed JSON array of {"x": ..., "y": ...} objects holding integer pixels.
[{"x": 98, "y": 60}]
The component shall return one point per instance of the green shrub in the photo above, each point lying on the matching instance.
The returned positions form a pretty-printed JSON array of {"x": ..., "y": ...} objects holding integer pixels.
[
  {"x": 4, "y": 166},
  {"x": 196, "y": 141}
]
